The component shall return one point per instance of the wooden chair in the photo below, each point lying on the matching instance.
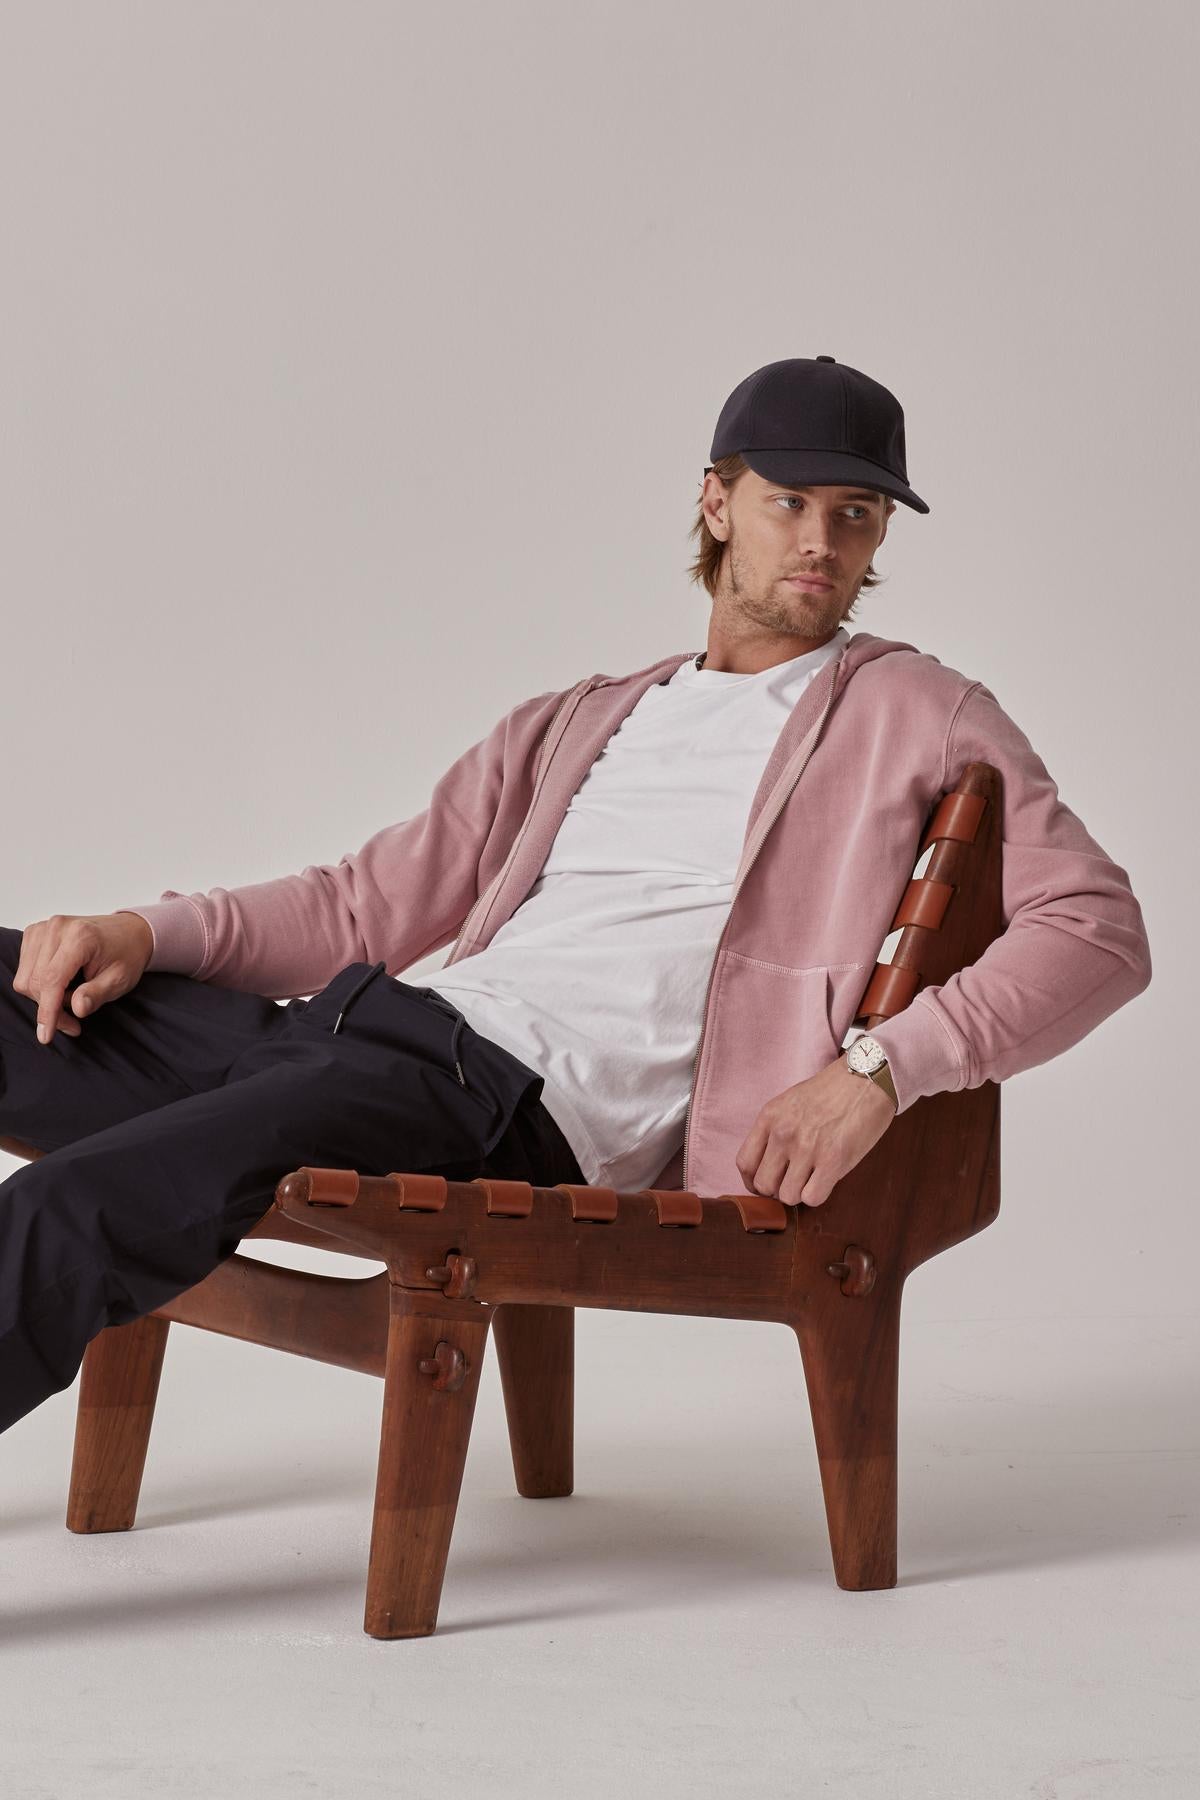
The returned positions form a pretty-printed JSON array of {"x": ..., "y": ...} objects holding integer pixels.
[{"x": 463, "y": 1257}]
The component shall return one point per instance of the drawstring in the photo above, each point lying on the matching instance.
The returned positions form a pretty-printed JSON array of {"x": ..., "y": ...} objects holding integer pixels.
[
  {"x": 448, "y": 1006},
  {"x": 454, "y": 1050},
  {"x": 375, "y": 969}
]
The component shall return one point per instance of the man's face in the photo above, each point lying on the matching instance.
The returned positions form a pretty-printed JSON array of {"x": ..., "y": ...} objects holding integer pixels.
[{"x": 774, "y": 534}]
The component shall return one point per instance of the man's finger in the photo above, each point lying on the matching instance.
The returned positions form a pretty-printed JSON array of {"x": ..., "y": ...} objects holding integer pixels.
[
  {"x": 771, "y": 1171},
  {"x": 48, "y": 1010},
  {"x": 799, "y": 1187},
  {"x": 51, "y": 988},
  {"x": 751, "y": 1152}
]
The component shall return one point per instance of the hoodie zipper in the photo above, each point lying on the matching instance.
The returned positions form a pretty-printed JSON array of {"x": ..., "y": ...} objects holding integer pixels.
[
  {"x": 558, "y": 725},
  {"x": 553, "y": 738},
  {"x": 778, "y": 801}
]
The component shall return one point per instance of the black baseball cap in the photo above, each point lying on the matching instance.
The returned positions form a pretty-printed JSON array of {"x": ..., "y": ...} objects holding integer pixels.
[{"x": 811, "y": 420}]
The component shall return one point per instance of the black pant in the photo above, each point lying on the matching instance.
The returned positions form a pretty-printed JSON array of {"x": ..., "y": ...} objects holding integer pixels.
[{"x": 171, "y": 1118}]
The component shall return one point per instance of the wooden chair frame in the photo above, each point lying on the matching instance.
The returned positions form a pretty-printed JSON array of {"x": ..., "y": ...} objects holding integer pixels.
[{"x": 465, "y": 1257}]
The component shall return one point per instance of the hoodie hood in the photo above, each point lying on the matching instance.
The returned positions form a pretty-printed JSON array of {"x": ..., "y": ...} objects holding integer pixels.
[
  {"x": 864, "y": 646},
  {"x": 797, "y": 740}
]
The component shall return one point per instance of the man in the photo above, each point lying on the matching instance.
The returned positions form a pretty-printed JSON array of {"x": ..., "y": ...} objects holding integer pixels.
[{"x": 665, "y": 894}]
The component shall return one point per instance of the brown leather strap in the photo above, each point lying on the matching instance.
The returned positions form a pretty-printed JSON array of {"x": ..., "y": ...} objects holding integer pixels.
[
  {"x": 507, "y": 1199},
  {"x": 760, "y": 1212},
  {"x": 957, "y": 816},
  {"x": 676, "y": 1207},
  {"x": 889, "y": 991},
  {"x": 322, "y": 1187},
  {"x": 596, "y": 1203},
  {"x": 420, "y": 1193},
  {"x": 924, "y": 902}
]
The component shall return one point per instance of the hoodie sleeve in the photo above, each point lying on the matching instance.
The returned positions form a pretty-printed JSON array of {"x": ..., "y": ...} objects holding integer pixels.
[
  {"x": 1073, "y": 950},
  {"x": 403, "y": 895}
]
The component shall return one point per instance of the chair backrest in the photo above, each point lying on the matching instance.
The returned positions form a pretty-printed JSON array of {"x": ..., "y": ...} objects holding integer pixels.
[{"x": 934, "y": 1176}]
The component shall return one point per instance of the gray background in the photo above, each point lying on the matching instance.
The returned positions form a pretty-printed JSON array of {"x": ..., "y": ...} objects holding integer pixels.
[{"x": 358, "y": 366}]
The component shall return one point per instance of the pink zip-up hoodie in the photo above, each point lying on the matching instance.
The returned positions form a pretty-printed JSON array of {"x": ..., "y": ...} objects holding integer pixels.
[{"x": 832, "y": 837}]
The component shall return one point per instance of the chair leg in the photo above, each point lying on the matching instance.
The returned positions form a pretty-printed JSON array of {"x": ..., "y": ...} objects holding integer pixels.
[
  {"x": 117, "y": 1390},
  {"x": 434, "y": 1356},
  {"x": 851, "y": 1352},
  {"x": 536, "y": 1349}
]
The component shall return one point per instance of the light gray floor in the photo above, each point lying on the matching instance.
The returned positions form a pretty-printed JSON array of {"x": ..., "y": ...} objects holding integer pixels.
[{"x": 671, "y": 1629}]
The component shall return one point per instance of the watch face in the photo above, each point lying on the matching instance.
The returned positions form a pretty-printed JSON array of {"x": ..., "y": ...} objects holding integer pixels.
[{"x": 866, "y": 1055}]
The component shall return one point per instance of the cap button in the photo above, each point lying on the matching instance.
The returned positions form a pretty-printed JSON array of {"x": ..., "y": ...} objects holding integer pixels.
[{"x": 827, "y": 359}]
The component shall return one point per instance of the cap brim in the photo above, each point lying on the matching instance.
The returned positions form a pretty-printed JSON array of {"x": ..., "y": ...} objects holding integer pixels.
[{"x": 817, "y": 468}]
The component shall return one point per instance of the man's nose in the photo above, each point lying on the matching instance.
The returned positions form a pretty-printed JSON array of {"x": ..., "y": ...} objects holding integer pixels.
[{"x": 815, "y": 536}]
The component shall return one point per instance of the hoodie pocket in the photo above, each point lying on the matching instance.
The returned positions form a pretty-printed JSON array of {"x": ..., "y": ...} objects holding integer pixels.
[
  {"x": 798, "y": 1016},
  {"x": 771, "y": 1027},
  {"x": 846, "y": 983}
]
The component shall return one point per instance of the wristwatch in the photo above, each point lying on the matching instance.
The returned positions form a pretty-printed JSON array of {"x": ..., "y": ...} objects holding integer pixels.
[{"x": 866, "y": 1056}]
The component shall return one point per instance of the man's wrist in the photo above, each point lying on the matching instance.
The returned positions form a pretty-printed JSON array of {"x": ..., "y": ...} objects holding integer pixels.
[
  {"x": 146, "y": 934},
  {"x": 880, "y": 1078}
]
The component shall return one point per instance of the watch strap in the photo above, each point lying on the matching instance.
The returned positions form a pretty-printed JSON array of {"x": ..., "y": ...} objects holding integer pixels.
[{"x": 882, "y": 1077}]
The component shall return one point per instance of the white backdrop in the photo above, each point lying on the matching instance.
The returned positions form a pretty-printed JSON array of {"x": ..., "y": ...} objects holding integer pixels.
[{"x": 358, "y": 367}]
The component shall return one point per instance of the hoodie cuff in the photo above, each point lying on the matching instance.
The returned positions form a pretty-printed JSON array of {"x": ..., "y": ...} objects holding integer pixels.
[
  {"x": 178, "y": 931},
  {"x": 921, "y": 1053}
]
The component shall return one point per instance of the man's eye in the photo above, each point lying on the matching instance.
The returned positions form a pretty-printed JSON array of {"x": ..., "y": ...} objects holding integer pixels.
[{"x": 853, "y": 507}]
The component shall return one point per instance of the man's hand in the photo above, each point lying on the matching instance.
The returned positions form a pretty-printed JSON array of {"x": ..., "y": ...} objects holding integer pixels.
[
  {"x": 111, "y": 949},
  {"x": 805, "y": 1139}
]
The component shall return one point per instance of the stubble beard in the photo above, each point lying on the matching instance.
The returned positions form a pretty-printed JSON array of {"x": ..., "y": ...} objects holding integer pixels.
[{"x": 776, "y": 607}]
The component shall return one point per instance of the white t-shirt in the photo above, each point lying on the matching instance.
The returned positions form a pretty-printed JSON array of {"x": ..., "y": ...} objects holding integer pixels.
[{"x": 597, "y": 982}]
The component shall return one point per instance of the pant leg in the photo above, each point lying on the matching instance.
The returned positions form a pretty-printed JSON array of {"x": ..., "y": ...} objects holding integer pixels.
[
  {"x": 108, "y": 1226},
  {"x": 168, "y": 1037},
  {"x": 172, "y": 1036}
]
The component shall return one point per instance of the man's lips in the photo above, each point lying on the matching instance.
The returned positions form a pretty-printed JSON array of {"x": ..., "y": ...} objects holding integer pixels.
[{"x": 815, "y": 581}]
